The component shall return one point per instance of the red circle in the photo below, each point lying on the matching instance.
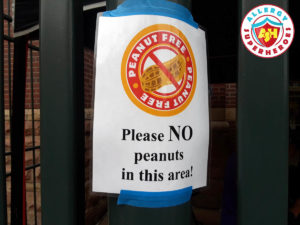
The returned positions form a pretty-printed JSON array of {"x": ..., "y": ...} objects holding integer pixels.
[{"x": 145, "y": 48}]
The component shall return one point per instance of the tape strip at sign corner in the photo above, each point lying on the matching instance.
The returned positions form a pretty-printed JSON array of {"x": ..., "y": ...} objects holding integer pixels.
[
  {"x": 155, "y": 199},
  {"x": 153, "y": 7}
]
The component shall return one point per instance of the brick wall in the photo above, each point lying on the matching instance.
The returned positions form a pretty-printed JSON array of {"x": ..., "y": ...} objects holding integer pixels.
[
  {"x": 223, "y": 102},
  {"x": 88, "y": 77},
  {"x": 95, "y": 205},
  {"x": 35, "y": 73},
  {"x": 223, "y": 95}
]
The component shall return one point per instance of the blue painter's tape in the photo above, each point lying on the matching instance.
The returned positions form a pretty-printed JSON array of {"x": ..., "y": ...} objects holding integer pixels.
[
  {"x": 155, "y": 199},
  {"x": 153, "y": 7}
]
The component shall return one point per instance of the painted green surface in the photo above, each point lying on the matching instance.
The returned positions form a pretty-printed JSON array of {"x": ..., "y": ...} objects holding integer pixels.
[
  {"x": 62, "y": 125},
  {"x": 262, "y": 134},
  {"x": 127, "y": 215}
]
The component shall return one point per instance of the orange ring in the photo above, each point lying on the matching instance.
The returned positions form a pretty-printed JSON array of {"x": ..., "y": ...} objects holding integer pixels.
[{"x": 132, "y": 97}]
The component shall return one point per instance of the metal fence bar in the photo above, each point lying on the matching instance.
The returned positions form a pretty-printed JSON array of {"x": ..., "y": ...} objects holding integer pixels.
[
  {"x": 33, "y": 135},
  {"x": 32, "y": 148},
  {"x": 33, "y": 166},
  {"x": 19, "y": 213},
  {"x": 62, "y": 112},
  {"x": 7, "y": 18},
  {"x": 27, "y": 168},
  {"x": 126, "y": 215},
  {"x": 17, "y": 134},
  {"x": 262, "y": 134},
  {"x": 3, "y": 209},
  {"x": 10, "y": 39},
  {"x": 26, "y": 150},
  {"x": 33, "y": 47}
]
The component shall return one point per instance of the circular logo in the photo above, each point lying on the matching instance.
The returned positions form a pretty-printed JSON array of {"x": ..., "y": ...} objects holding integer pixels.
[
  {"x": 267, "y": 31},
  {"x": 159, "y": 70}
]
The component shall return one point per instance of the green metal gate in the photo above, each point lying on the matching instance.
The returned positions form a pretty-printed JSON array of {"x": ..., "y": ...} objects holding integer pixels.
[
  {"x": 62, "y": 136},
  {"x": 20, "y": 179}
]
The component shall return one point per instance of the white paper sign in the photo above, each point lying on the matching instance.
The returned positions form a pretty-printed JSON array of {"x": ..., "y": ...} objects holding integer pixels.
[{"x": 151, "y": 123}]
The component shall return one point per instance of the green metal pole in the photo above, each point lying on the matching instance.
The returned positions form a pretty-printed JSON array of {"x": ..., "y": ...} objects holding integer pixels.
[
  {"x": 112, "y": 4},
  {"x": 3, "y": 212},
  {"x": 62, "y": 112},
  {"x": 262, "y": 133},
  {"x": 127, "y": 215}
]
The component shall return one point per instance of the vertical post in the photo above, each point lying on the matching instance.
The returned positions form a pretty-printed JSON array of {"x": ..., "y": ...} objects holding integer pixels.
[
  {"x": 186, "y": 3},
  {"x": 17, "y": 133},
  {"x": 127, "y": 215},
  {"x": 112, "y": 4},
  {"x": 62, "y": 112},
  {"x": 3, "y": 212},
  {"x": 262, "y": 134}
]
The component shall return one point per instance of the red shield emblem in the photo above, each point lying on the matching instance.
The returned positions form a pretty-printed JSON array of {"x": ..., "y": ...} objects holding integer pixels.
[{"x": 267, "y": 34}]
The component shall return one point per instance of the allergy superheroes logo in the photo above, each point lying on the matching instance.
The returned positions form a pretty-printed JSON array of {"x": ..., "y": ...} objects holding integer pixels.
[
  {"x": 267, "y": 31},
  {"x": 159, "y": 70}
]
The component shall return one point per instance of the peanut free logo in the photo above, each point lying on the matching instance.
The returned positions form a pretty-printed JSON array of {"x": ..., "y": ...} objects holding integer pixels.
[
  {"x": 267, "y": 31},
  {"x": 159, "y": 70}
]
